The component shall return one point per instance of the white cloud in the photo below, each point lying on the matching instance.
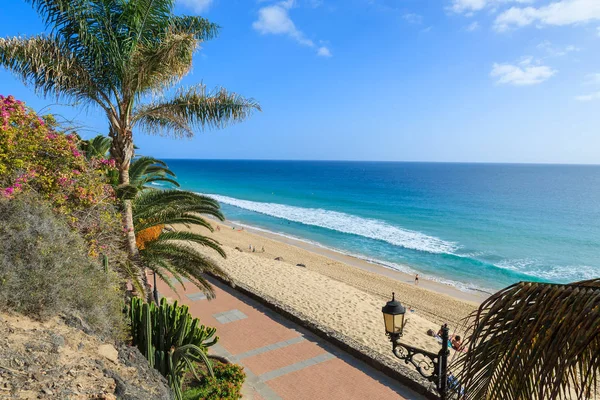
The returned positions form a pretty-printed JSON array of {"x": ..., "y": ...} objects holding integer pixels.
[
  {"x": 412, "y": 18},
  {"x": 323, "y": 52},
  {"x": 464, "y": 6},
  {"x": 275, "y": 20},
  {"x": 588, "y": 97},
  {"x": 197, "y": 5},
  {"x": 472, "y": 27},
  {"x": 524, "y": 73},
  {"x": 558, "y": 13},
  {"x": 468, "y": 7},
  {"x": 553, "y": 51}
]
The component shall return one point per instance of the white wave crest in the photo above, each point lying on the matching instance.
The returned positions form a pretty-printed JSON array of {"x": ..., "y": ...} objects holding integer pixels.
[{"x": 345, "y": 223}]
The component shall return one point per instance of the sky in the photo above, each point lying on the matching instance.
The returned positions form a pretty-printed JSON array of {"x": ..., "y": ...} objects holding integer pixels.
[{"x": 386, "y": 80}]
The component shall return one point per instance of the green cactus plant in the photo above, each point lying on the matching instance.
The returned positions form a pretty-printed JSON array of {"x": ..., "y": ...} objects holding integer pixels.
[
  {"x": 105, "y": 263},
  {"x": 170, "y": 339}
]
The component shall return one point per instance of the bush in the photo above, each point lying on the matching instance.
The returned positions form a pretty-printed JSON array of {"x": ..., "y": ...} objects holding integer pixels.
[
  {"x": 45, "y": 269},
  {"x": 227, "y": 384},
  {"x": 36, "y": 157}
]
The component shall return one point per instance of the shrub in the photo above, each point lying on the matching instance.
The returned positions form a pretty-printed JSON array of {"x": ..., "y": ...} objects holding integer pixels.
[
  {"x": 226, "y": 384},
  {"x": 36, "y": 157},
  {"x": 45, "y": 269}
]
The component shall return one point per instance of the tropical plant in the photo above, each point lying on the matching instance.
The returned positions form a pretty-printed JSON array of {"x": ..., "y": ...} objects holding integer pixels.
[
  {"x": 97, "y": 147},
  {"x": 170, "y": 339},
  {"x": 226, "y": 384},
  {"x": 173, "y": 253},
  {"x": 145, "y": 171},
  {"x": 113, "y": 54},
  {"x": 534, "y": 341}
]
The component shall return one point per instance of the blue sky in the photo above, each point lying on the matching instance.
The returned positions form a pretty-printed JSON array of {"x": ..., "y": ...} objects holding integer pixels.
[{"x": 405, "y": 80}]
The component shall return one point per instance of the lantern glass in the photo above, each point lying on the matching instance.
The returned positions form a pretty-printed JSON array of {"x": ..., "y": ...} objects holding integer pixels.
[
  {"x": 393, "y": 317},
  {"x": 390, "y": 326}
]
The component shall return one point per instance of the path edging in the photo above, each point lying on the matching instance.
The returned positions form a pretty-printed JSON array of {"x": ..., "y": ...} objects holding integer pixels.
[{"x": 397, "y": 371}]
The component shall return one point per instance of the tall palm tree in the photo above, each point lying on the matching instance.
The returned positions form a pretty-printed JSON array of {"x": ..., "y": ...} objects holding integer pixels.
[
  {"x": 534, "y": 341},
  {"x": 114, "y": 54},
  {"x": 173, "y": 252}
]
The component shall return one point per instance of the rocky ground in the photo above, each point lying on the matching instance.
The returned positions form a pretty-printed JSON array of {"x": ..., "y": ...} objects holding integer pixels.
[{"x": 52, "y": 360}]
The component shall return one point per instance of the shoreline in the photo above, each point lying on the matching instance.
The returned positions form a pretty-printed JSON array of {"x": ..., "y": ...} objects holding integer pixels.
[
  {"x": 469, "y": 295},
  {"x": 340, "y": 292}
]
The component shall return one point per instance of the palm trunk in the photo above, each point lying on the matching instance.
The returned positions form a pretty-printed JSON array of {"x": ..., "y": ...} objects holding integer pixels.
[{"x": 122, "y": 152}]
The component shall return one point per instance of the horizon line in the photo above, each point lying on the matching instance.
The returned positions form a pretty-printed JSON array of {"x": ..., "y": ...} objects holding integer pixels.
[{"x": 391, "y": 161}]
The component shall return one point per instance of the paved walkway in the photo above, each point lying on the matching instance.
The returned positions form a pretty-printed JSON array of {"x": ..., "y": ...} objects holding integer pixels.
[{"x": 281, "y": 359}]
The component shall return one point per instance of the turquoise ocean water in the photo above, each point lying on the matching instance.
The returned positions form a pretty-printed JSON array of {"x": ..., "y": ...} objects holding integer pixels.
[{"x": 479, "y": 226}]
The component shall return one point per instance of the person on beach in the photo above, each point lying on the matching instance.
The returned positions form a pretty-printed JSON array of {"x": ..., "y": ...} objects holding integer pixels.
[
  {"x": 416, "y": 279},
  {"x": 263, "y": 249},
  {"x": 250, "y": 247},
  {"x": 218, "y": 228},
  {"x": 457, "y": 343}
]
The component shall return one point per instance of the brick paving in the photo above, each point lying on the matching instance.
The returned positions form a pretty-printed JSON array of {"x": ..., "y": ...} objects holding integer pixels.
[{"x": 282, "y": 361}]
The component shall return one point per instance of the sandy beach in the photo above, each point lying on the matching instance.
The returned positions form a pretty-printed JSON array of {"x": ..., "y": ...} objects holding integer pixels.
[{"x": 339, "y": 291}]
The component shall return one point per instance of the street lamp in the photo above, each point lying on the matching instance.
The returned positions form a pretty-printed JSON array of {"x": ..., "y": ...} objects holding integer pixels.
[
  {"x": 432, "y": 366},
  {"x": 155, "y": 290},
  {"x": 393, "y": 317}
]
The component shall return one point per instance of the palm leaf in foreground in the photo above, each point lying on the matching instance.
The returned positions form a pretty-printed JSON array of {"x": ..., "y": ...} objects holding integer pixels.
[{"x": 534, "y": 341}]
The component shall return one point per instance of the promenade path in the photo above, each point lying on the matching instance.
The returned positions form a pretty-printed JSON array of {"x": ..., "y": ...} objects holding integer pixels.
[{"x": 282, "y": 361}]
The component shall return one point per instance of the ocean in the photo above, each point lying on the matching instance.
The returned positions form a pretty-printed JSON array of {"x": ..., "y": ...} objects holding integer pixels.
[{"x": 474, "y": 226}]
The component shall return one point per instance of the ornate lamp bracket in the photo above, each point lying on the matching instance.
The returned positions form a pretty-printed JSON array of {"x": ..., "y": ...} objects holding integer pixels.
[{"x": 432, "y": 366}]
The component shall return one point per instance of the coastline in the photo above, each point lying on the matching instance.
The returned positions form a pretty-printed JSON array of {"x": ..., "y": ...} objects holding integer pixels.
[
  {"x": 340, "y": 292},
  {"x": 468, "y": 295}
]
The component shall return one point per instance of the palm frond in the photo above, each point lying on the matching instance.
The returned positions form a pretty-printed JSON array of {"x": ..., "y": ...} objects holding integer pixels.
[
  {"x": 145, "y": 170},
  {"x": 90, "y": 29},
  {"x": 194, "y": 107},
  {"x": 193, "y": 238},
  {"x": 180, "y": 260},
  {"x": 46, "y": 63},
  {"x": 534, "y": 341},
  {"x": 160, "y": 65},
  {"x": 97, "y": 147},
  {"x": 201, "y": 28},
  {"x": 168, "y": 207}
]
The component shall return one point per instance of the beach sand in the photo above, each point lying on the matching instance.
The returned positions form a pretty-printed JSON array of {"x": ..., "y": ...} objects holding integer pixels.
[{"x": 341, "y": 292}]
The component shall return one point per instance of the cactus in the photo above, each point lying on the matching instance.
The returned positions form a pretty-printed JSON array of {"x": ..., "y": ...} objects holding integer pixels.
[
  {"x": 105, "y": 263},
  {"x": 170, "y": 339}
]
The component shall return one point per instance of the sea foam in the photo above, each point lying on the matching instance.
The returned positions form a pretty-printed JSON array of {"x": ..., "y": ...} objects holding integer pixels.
[{"x": 346, "y": 223}]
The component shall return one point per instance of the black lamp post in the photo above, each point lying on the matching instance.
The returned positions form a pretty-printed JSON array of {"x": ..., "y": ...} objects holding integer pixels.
[
  {"x": 155, "y": 291},
  {"x": 433, "y": 367}
]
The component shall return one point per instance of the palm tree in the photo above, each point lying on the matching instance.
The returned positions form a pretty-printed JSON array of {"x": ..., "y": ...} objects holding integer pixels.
[
  {"x": 173, "y": 252},
  {"x": 97, "y": 147},
  {"x": 113, "y": 54},
  {"x": 534, "y": 341}
]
